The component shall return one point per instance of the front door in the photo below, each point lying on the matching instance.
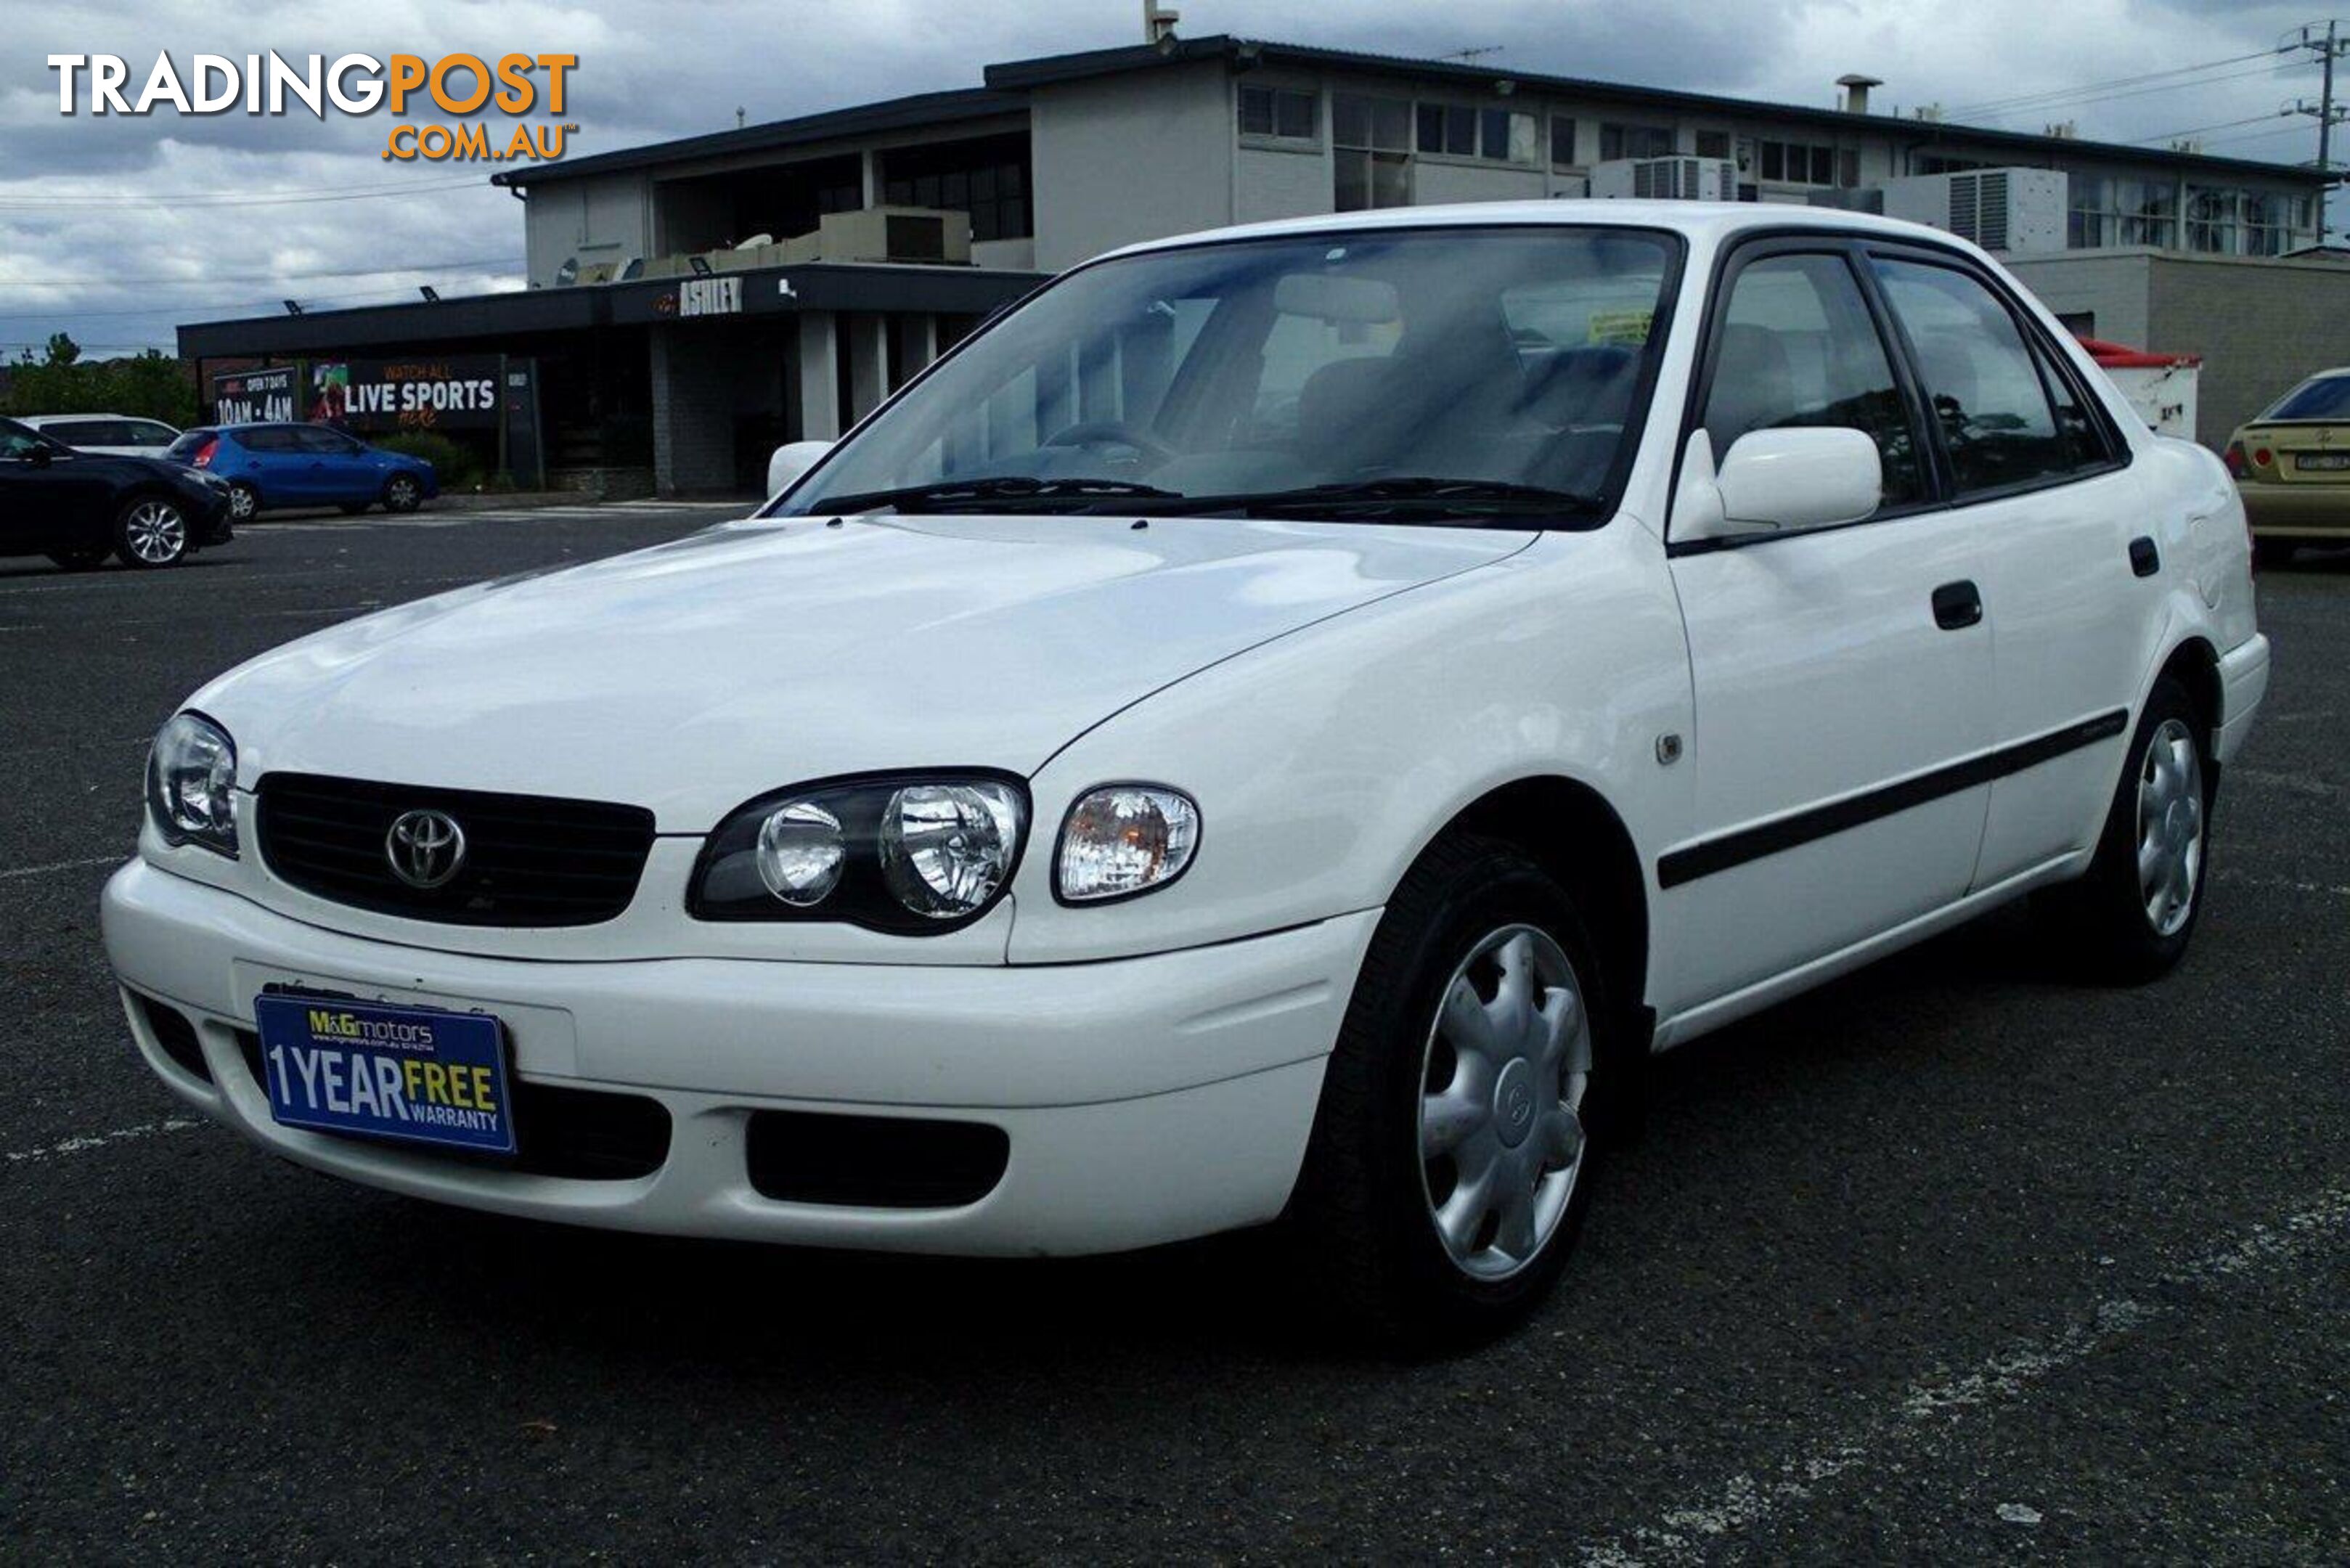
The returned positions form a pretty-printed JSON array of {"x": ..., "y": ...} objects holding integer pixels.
[{"x": 1840, "y": 678}]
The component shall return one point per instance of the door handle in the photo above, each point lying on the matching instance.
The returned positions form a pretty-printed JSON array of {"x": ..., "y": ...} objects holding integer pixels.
[
  {"x": 1957, "y": 605},
  {"x": 2144, "y": 559}
]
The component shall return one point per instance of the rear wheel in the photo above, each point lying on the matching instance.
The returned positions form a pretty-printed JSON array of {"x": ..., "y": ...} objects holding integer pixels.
[
  {"x": 402, "y": 492},
  {"x": 1449, "y": 1166},
  {"x": 151, "y": 532},
  {"x": 87, "y": 558},
  {"x": 2133, "y": 913},
  {"x": 243, "y": 502}
]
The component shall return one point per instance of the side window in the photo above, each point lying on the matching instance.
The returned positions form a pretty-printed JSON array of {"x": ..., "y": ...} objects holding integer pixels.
[
  {"x": 325, "y": 442},
  {"x": 1798, "y": 347},
  {"x": 147, "y": 432},
  {"x": 1980, "y": 378},
  {"x": 18, "y": 443},
  {"x": 272, "y": 439}
]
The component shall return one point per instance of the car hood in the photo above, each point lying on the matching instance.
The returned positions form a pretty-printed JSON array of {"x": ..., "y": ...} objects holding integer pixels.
[{"x": 692, "y": 676}]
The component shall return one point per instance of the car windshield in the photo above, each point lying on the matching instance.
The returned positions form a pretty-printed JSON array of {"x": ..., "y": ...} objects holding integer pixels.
[
  {"x": 1428, "y": 375},
  {"x": 2322, "y": 398}
]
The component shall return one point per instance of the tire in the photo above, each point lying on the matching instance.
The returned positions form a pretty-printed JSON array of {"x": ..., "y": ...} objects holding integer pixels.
[
  {"x": 244, "y": 503},
  {"x": 2271, "y": 554},
  {"x": 1365, "y": 1211},
  {"x": 2122, "y": 924},
  {"x": 87, "y": 558},
  {"x": 402, "y": 492},
  {"x": 353, "y": 508},
  {"x": 151, "y": 532}
]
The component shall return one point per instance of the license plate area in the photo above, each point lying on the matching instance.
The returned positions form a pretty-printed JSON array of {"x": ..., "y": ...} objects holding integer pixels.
[
  {"x": 2320, "y": 462},
  {"x": 403, "y": 1073}
]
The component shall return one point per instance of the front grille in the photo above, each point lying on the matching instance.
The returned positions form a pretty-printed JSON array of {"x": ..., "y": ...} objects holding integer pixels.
[
  {"x": 580, "y": 1134},
  {"x": 874, "y": 1162},
  {"x": 528, "y": 861}
]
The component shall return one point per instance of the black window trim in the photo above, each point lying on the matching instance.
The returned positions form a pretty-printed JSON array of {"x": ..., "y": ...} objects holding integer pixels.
[
  {"x": 1764, "y": 245},
  {"x": 2044, "y": 355},
  {"x": 1858, "y": 247}
]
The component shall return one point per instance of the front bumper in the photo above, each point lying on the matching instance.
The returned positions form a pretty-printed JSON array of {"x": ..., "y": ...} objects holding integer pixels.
[
  {"x": 2297, "y": 511},
  {"x": 1145, "y": 1099}
]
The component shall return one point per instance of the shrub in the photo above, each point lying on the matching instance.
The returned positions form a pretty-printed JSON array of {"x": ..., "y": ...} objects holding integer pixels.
[{"x": 458, "y": 469}]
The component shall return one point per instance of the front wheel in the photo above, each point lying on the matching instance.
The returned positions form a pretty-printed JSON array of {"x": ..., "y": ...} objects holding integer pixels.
[
  {"x": 1450, "y": 1165},
  {"x": 402, "y": 492},
  {"x": 151, "y": 532},
  {"x": 2130, "y": 916}
]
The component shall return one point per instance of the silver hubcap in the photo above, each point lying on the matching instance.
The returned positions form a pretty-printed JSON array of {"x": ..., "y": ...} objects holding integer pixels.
[
  {"x": 403, "y": 493},
  {"x": 240, "y": 504},
  {"x": 1502, "y": 1084},
  {"x": 156, "y": 531},
  {"x": 2169, "y": 826}
]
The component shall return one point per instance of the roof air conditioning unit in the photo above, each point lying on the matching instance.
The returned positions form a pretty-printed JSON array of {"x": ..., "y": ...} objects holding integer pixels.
[
  {"x": 2019, "y": 210},
  {"x": 568, "y": 273},
  {"x": 916, "y": 234},
  {"x": 1667, "y": 179}
]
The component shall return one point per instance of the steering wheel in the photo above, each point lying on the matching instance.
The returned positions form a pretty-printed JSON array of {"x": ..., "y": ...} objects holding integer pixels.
[{"x": 1111, "y": 432}]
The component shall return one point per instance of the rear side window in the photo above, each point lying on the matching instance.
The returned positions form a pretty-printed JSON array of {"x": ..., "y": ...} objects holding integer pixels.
[
  {"x": 89, "y": 432},
  {"x": 1981, "y": 381},
  {"x": 270, "y": 437},
  {"x": 147, "y": 432},
  {"x": 1798, "y": 347}
]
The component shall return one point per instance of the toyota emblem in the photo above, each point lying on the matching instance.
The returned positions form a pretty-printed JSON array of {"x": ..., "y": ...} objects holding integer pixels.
[{"x": 425, "y": 848}]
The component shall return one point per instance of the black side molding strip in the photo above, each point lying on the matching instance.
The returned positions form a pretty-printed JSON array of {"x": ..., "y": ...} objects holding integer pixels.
[{"x": 1712, "y": 854}]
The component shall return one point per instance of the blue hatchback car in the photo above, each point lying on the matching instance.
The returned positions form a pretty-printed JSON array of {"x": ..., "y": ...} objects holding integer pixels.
[{"x": 272, "y": 465}]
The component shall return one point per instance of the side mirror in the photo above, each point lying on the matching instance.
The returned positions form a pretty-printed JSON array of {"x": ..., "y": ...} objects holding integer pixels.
[
  {"x": 790, "y": 461},
  {"x": 1777, "y": 481},
  {"x": 41, "y": 456}
]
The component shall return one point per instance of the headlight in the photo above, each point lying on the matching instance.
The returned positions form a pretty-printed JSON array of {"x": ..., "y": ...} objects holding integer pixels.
[
  {"x": 191, "y": 783},
  {"x": 892, "y": 854},
  {"x": 1124, "y": 839}
]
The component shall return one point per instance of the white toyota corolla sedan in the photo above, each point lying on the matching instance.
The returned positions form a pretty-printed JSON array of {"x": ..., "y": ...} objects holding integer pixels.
[{"x": 1276, "y": 727}]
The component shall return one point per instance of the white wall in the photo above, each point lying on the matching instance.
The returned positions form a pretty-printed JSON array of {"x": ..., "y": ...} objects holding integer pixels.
[
  {"x": 1130, "y": 157},
  {"x": 1435, "y": 180},
  {"x": 600, "y": 218},
  {"x": 1277, "y": 183}
]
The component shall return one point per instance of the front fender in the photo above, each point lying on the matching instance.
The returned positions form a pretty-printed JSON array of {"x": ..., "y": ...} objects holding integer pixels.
[{"x": 1324, "y": 762}]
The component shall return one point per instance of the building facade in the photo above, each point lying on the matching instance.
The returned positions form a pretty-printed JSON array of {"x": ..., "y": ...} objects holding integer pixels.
[{"x": 740, "y": 297}]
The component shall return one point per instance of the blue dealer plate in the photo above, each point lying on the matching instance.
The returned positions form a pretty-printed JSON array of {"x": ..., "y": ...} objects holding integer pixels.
[{"x": 417, "y": 1074}]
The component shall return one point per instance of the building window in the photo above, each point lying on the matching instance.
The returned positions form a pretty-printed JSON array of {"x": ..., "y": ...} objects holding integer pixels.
[
  {"x": 987, "y": 178},
  {"x": 1562, "y": 142},
  {"x": 2274, "y": 222},
  {"x": 2211, "y": 219},
  {"x": 1457, "y": 130},
  {"x": 1635, "y": 142},
  {"x": 1933, "y": 163},
  {"x": 1796, "y": 163},
  {"x": 1372, "y": 152},
  {"x": 1713, "y": 144},
  {"x": 1289, "y": 113}
]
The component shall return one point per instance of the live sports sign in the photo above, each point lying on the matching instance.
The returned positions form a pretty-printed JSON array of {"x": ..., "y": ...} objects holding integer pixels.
[{"x": 456, "y": 392}]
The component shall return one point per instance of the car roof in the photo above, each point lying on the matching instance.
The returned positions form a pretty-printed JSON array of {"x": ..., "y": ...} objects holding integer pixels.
[
  {"x": 38, "y": 420},
  {"x": 1709, "y": 221}
]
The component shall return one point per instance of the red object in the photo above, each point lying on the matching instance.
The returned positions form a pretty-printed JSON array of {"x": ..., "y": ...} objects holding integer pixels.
[
  {"x": 2262, "y": 457},
  {"x": 2234, "y": 458},
  {"x": 2120, "y": 356},
  {"x": 204, "y": 458}
]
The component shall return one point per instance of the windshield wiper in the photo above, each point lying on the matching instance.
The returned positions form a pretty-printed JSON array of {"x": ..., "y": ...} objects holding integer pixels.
[
  {"x": 1007, "y": 487},
  {"x": 1467, "y": 498}
]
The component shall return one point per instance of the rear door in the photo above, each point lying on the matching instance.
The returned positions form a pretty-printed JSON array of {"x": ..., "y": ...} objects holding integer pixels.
[
  {"x": 279, "y": 465},
  {"x": 2068, "y": 542},
  {"x": 50, "y": 496},
  {"x": 1836, "y": 704}
]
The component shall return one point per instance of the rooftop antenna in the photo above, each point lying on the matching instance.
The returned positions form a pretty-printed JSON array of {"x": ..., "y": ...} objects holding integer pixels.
[
  {"x": 1473, "y": 54},
  {"x": 739, "y": 113}
]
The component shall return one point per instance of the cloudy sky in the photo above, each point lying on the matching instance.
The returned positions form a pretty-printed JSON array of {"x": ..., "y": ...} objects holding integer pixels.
[{"x": 114, "y": 229}]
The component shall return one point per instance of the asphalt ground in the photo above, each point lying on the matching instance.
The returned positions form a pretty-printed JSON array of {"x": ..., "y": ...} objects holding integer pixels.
[{"x": 1955, "y": 1259}]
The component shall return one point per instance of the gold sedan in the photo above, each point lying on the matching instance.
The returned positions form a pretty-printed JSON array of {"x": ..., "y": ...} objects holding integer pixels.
[{"x": 2292, "y": 468}]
